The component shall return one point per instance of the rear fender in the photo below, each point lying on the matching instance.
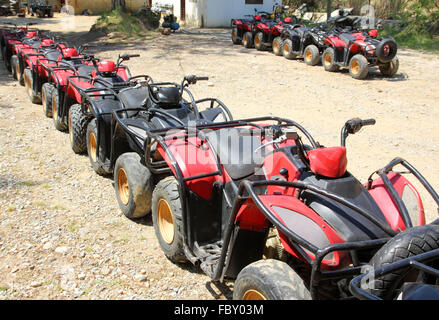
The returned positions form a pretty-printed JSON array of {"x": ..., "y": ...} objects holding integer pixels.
[
  {"x": 193, "y": 158},
  {"x": 407, "y": 192},
  {"x": 73, "y": 92}
]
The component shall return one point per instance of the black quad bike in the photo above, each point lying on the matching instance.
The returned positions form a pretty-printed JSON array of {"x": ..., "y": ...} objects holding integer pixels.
[
  {"x": 91, "y": 98},
  {"x": 232, "y": 188},
  {"x": 41, "y": 9},
  {"x": 117, "y": 144}
]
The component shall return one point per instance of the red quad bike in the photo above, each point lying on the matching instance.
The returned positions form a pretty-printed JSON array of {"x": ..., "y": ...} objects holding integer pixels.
[
  {"x": 107, "y": 75},
  {"x": 233, "y": 189},
  {"x": 121, "y": 146},
  {"x": 52, "y": 66},
  {"x": 12, "y": 36},
  {"x": 359, "y": 51},
  {"x": 243, "y": 30},
  {"x": 268, "y": 32},
  {"x": 27, "y": 53}
]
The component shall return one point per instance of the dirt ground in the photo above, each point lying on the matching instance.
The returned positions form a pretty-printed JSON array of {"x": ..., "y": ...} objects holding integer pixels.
[{"x": 62, "y": 235}]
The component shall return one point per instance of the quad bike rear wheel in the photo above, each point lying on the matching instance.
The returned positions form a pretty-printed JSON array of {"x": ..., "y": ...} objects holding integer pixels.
[
  {"x": 29, "y": 85},
  {"x": 328, "y": 60},
  {"x": 78, "y": 123},
  {"x": 46, "y": 98},
  {"x": 269, "y": 280},
  {"x": 311, "y": 55},
  {"x": 390, "y": 68},
  {"x": 57, "y": 120},
  {"x": 235, "y": 38},
  {"x": 133, "y": 184},
  {"x": 287, "y": 49},
  {"x": 277, "y": 46},
  {"x": 259, "y": 41},
  {"x": 248, "y": 40},
  {"x": 167, "y": 219},
  {"x": 92, "y": 148},
  {"x": 358, "y": 67},
  {"x": 408, "y": 243}
]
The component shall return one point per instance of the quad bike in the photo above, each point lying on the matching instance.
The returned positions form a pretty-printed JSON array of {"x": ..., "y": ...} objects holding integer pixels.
[
  {"x": 243, "y": 30},
  {"x": 41, "y": 10},
  {"x": 418, "y": 271},
  {"x": 91, "y": 99},
  {"x": 267, "y": 32},
  {"x": 298, "y": 40},
  {"x": 120, "y": 148},
  {"x": 26, "y": 54},
  {"x": 233, "y": 186},
  {"x": 358, "y": 51},
  {"x": 12, "y": 36},
  {"x": 50, "y": 69}
]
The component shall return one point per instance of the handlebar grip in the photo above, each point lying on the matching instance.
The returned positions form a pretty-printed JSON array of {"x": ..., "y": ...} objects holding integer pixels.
[
  {"x": 202, "y": 78},
  {"x": 134, "y": 55},
  {"x": 368, "y": 122}
]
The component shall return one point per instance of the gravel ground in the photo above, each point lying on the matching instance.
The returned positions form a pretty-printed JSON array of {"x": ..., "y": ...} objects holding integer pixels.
[{"x": 62, "y": 235}]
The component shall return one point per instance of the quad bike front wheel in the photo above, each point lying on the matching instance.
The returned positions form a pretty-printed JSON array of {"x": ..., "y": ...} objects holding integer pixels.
[
  {"x": 57, "y": 120},
  {"x": 167, "y": 219},
  {"x": 259, "y": 41},
  {"x": 358, "y": 67},
  {"x": 235, "y": 38},
  {"x": 248, "y": 40},
  {"x": 78, "y": 123},
  {"x": 133, "y": 183},
  {"x": 92, "y": 148},
  {"x": 46, "y": 98},
  {"x": 406, "y": 244},
  {"x": 29, "y": 86},
  {"x": 311, "y": 55},
  {"x": 16, "y": 72},
  {"x": 287, "y": 49},
  {"x": 269, "y": 280},
  {"x": 328, "y": 60},
  {"x": 277, "y": 46},
  {"x": 390, "y": 68}
]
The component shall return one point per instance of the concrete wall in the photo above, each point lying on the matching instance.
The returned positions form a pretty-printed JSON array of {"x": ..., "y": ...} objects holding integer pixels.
[{"x": 215, "y": 13}]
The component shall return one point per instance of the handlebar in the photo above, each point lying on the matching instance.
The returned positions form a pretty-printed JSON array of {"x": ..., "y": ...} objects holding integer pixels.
[{"x": 352, "y": 126}]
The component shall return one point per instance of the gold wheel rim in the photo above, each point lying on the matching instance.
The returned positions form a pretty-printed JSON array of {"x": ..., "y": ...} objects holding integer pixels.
[
  {"x": 286, "y": 48},
  {"x": 275, "y": 46},
  {"x": 308, "y": 55},
  {"x": 43, "y": 98},
  {"x": 257, "y": 41},
  {"x": 123, "y": 186},
  {"x": 165, "y": 221},
  {"x": 253, "y": 294},
  {"x": 17, "y": 70},
  {"x": 54, "y": 110},
  {"x": 327, "y": 59},
  {"x": 245, "y": 41},
  {"x": 27, "y": 84},
  {"x": 92, "y": 146},
  {"x": 234, "y": 35},
  {"x": 355, "y": 67}
]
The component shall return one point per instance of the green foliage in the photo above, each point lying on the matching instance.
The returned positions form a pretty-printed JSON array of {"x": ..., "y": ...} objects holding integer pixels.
[{"x": 127, "y": 24}]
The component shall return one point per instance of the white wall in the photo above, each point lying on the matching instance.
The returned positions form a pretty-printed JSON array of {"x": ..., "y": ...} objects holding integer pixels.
[{"x": 215, "y": 13}]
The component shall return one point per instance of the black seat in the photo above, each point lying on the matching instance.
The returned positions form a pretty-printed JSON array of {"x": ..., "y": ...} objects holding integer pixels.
[
  {"x": 85, "y": 70},
  {"x": 133, "y": 97},
  {"x": 347, "y": 37},
  {"x": 236, "y": 150},
  {"x": 167, "y": 97}
]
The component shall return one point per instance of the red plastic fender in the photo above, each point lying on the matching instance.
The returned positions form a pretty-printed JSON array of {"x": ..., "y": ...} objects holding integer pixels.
[
  {"x": 313, "y": 224},
  {"x": 75, "y": 94},
  {"x": 193, "y": 158},
  {"x": 388, "y": 207}
]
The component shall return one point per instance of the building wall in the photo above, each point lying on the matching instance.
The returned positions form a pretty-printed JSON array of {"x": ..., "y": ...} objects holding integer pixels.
[{"x": 99, "y": 6}]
